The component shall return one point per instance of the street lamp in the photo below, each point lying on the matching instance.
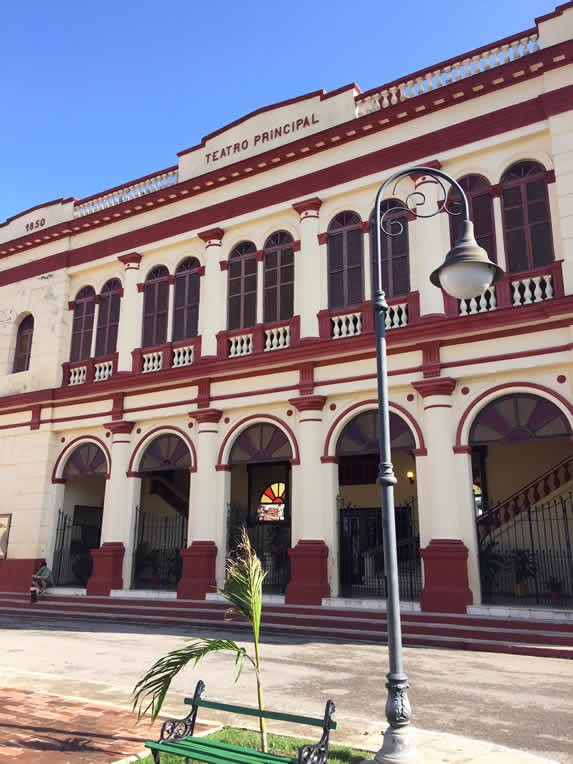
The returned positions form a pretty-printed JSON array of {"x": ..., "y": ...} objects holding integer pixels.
[{"x": 466, "y": 271}]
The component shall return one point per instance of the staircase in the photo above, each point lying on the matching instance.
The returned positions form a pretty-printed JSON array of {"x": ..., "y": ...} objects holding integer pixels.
[{"x": 542, "y": 637}]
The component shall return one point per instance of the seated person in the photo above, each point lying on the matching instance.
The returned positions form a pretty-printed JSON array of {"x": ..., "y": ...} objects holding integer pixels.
[{"x": 42, "y": 578}]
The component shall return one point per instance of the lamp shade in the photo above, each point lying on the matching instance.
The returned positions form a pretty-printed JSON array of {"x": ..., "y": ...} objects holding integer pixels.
[{"x": 467, "y": 270}]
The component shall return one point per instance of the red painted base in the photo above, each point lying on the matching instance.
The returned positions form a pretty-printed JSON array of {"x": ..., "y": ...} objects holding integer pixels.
[
  {"x": 16, "y": 575},
  {"x": 308, "y": 574},
  {"x": 107, "y": 571},
  {"x": 446, "y": 587},
  {"x": 198, "y": 576}
]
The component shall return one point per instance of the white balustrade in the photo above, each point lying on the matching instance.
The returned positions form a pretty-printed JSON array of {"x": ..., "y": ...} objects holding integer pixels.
[
  {"x": 103, "y": 370},
  {"x": 240, "y": 344},
  {"x": 78, "y": 375},
  {"x": 347, "y": 325},
  {"x": 183, "y": 356},
  {"x": 433, "y": 79},
  {"x": 526, "y": 291},
  {"x": 397, "y": 315},
  {"x": 483, "y": 303},
  {"x": 276, "y": 338},
  {"x": 152, "y": 361},
  {"x": 127, "y": 193}
]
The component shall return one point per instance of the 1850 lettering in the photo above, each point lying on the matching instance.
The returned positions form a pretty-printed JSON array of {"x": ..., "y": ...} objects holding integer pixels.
[{"x": 35, "y": 224}]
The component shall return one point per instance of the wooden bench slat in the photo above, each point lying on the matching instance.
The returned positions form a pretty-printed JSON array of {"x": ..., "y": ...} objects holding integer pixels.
[
  {"x": 210, "y": 743},
  {"x": 246, "y": 711},
  {"x": 207, "y": 752}
]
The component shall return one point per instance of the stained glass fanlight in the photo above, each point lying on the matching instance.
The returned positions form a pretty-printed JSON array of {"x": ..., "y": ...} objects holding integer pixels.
[{"x": 272, "y": 503}]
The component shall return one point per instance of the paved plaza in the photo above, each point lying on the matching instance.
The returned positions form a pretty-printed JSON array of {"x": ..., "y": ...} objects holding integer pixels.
[{"x": 467, "y": 707}]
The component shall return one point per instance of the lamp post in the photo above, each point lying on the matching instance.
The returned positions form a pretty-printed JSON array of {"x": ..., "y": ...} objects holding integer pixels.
[{"x": 466, "y": 272}]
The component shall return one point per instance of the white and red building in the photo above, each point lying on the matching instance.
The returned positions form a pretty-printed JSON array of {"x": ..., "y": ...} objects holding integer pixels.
[{"x": 194, "y": 350}]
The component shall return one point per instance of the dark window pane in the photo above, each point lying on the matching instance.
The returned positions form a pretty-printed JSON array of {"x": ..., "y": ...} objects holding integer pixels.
[
  {"x": 541, "y": 244},
  {"x": 516, "y": 251}
]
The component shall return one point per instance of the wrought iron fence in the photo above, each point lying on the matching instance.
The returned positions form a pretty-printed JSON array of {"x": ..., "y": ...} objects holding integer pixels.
[
  {"x": 157, "y": 560},
  {"x": 527, "y": 558},
  {"x": 362, "y": 553},
  {"x": 75, "y": 539}
]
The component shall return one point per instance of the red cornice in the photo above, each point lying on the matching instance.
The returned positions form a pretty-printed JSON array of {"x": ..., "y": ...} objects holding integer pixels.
[
  {"x": 308, "y": 205},
  {"x": 121, "y": 427},
  {"x": 308, "y": 402},
  {"x": 435, "y": 386},
  {"x": 491, "y": 123},
  {"x": 133, "y": 258},
  {"x": 212, "y": 235},
  {"x": 206, "y": 415}
]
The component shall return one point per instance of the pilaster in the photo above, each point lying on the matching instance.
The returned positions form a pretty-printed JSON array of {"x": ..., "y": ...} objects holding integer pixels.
[
  {"x": 131, "y": 312},
  {"x": 213, "y": 292},
  {"x": 310, "y": 269}
]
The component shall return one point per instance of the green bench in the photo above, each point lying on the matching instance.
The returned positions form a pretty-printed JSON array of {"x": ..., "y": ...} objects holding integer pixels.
[{"x": 177, "y": 736}]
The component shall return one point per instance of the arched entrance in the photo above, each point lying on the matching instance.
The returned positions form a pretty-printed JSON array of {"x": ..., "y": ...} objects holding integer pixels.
[
  {"x": 162, "y": 515},
  {"x": 260, "y": 498},
  {"x": 80, "y": 518},
  {"x": 361, "y": 557},
  {"x": 522, "y": 466}
]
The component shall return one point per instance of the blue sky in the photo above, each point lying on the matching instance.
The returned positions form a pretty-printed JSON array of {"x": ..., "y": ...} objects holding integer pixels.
[{"x": 98, "y": 94}]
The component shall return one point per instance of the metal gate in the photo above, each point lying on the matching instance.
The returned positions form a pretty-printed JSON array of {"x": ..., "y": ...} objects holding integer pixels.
[
  {"x": 75, "y": 539},
  {"x": 362, "y": 553},
  {"x": 271, "y": 542},
  {"x": 526, "y": 554},
  {"x": 157, "y": 560}
]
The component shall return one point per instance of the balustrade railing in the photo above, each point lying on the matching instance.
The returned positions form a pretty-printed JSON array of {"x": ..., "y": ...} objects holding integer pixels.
[
  {"x": 240, "y": 344},
  {"x": 480, "y": 304},
  {"x": 277, "y": 337},
  {"x": 126, "y": 193},
  {"x": 90, "y": 370},
  {"x": 448, "y": 72},
  {"x": 183, "y": 355}
]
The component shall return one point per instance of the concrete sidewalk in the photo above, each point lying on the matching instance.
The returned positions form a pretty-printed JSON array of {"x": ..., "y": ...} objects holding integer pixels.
[{"x": 41, "y": 728}]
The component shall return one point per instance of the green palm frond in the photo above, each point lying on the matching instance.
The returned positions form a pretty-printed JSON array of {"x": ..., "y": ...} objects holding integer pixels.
[
  {"x": 149, "y": 693},
  {"x": 244, "y": 583}
]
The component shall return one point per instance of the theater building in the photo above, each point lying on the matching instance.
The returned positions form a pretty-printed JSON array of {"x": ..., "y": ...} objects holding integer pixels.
[{"x": 194, "y": 351}]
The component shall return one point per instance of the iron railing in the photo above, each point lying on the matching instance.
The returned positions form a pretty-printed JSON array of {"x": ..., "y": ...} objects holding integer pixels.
[
  {"x": 157, "y": 560},
  {"x": 75, "y": 539}
]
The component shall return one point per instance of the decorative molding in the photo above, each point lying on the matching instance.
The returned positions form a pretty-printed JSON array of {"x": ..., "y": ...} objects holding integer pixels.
[
  {"x": 212, "y": 237},
  {"x": 322, "y": 237},
  {"x": 130, "y": 261},
  {"x": 435, "y": 386},
  {"x": 224, "y": 265},
  {"x": 431, "y": 359},
  {"x": 120, "y": 427},
  {"x": 306, "y": 379},
  {"x": 206, "y": 415},
  {"x": 203, "y": 393},
  {"x": 308, "y": 402},
  {"x": 308, "y": 208}
]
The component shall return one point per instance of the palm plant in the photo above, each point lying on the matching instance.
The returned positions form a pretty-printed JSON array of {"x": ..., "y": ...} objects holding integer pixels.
[{"x": 243, "y": 589}]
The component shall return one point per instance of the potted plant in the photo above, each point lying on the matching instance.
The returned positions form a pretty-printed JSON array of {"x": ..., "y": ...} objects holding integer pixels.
[
  {"x": 554, "y": 585},
  {"x": 523, "y": 563},
  {"x": 491, "y": 563}
]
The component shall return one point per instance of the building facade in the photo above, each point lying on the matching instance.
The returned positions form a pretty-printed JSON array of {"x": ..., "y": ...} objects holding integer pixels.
[{"x": 194, "y": 351}]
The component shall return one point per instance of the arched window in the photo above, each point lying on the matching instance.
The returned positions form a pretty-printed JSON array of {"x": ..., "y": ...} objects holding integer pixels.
[
  {"x": 344, "y": 252},
  {"x": 155, "y": 307},
  {"x": 108, "y": 318},
  {"x": 278, "y": 287},
  {"x": 83, "y": 325},
  {"x": 526, "y": 217},
  {"x": 480, "y": 202},
  {"x": 186, "y": 300},
  {"x": 242, "y": 286},
  {"x": 395, "y": 250},
  {"x": 23, "y": 345}
]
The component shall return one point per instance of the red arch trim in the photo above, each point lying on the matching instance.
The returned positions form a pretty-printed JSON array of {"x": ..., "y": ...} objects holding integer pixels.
[
  {"x": 256, "y": 418},
  {"x": 71, "y": 446},
  {"x": 408, "y": 418},
  {"x": 551, "y": 394},
  {"x": 184, "y": 437}
]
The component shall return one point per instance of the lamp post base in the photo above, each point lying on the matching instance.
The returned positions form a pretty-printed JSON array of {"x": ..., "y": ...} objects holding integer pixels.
[{"x": 398, "y": 746}]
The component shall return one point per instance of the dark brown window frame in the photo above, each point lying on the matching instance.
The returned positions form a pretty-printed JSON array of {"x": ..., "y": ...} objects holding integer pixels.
[
  {"x": 108, "y": 318},
  {"x": 155, "y": 317},
  {"x": 280, "y": 244},
  {"x": 476, "y": 187},
  {"x": 240, "y": 259},
  {"x": 388, "y": 255},
  {"x": 83, "y": 324},
  {"x": 342, "y": 225},
  {"x": 187, "y": 286},
  {"x": 23, "y": 349}
]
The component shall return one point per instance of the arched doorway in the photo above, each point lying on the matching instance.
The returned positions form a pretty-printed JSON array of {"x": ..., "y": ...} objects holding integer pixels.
[
  {"x": 80, "y": 518},
  {"x": 260, "y": 462},
  {"x": 522, "y": 466},
  {"x": 361, "y": 553},
  {"x": 162, "y": 515}
]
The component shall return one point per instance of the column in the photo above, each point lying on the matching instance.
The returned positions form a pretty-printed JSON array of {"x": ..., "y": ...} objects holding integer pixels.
[
  {"x": 206, "y": 534},
  {"x": 310, "y": 269},
  {"x": 446, "y": 516},
  {"x": 112, "y": 561},
  {"x": 429, "y": 242},
  {"x": 213, "y": 295},
  {"x": 130, "y": 317},
  {"x": 97, "y": 301},
  {"x": 561, "y": 193},
  {"x": 260, "y": 287},
  {"x": 309, "y": 555}
]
